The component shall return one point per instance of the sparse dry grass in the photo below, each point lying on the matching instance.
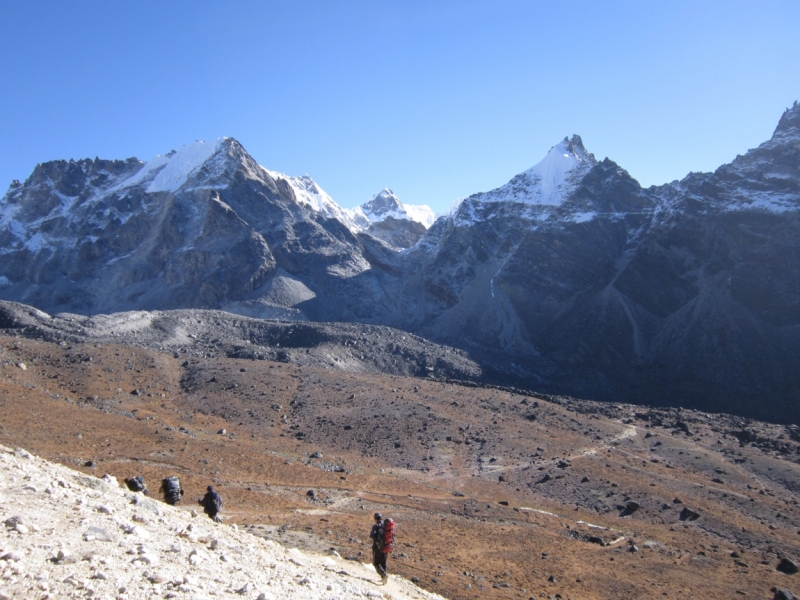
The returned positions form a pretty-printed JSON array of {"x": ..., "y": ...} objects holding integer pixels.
[{"x": 444, "y": 494}]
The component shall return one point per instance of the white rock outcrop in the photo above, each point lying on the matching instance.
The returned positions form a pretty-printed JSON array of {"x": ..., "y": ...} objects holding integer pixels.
[{"x": 64, "y": 534}]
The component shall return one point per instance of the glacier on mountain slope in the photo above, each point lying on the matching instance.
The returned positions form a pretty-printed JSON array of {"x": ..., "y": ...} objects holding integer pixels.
[
  {"x": 174, "y": 169},
  {"x": 421, "y": 213}
]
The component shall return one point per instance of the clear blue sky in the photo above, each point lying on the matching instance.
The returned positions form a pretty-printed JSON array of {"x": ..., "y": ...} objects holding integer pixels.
[{"x": 435, "y": 99}]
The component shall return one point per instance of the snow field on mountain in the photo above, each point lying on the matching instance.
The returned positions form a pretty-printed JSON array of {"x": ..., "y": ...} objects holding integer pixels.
[
  {"x": 66, "y": 534},
  {"x": 182, "y": 164},
  {"x": 548, "y": 183},
  {"x": 421, "y": 214},
  {"x": 552, "y": 171},
  {"x": 175, "y": 169}
]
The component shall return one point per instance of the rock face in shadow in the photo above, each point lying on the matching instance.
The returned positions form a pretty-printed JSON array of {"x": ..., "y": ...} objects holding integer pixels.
[
  {"x": 571, "y": 278},
  {"x": 401, "y": 233}
]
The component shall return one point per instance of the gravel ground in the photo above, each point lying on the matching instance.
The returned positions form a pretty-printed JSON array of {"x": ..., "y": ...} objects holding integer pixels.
[
  {"x": 193, "y": 334},
  {"x": 70, "y": 535}
]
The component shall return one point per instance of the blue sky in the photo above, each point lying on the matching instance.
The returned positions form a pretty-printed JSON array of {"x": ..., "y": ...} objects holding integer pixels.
[{"x": 436, "y": 100}]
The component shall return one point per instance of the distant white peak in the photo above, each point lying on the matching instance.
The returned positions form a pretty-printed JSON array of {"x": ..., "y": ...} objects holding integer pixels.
[
  {"x": 550, "y": 181},
  {"x": 169, "y": 172},
  {"x": 386, "y": 204},
  {"x": 383, "y": 202}
]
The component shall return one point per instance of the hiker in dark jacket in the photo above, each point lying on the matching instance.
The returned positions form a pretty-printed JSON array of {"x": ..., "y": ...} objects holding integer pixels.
[
  {"x": 172, "y": 490},
  {"x": 382, "y": 536},
  {"x": 212, "y": 504}
]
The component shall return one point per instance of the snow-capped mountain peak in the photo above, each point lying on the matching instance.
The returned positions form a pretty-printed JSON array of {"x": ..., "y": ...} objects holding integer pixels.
[
  {"x": 552, "y": 172},
  {"x": 386, "y": 204},
  {"x": 383, "y": 202},
  {"x": 551, "y": 180}
]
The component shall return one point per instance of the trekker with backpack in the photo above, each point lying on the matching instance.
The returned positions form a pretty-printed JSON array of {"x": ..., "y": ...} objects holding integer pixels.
[
  {"x": 136, "y": 484},
  {"x": 382, "y": 536},
  {"x": 212, "y": 504},
  {"x": 171, "y": 487}
]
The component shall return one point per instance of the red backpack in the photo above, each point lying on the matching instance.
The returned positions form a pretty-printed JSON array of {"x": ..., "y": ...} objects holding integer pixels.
[{"x": 388, "y": 544}]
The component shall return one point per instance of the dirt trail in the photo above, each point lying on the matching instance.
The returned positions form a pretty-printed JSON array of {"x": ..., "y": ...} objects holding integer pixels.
[{"x": 630, "y": 431}]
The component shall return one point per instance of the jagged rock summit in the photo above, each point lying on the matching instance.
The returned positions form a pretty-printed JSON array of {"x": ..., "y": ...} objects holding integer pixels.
[
  {"x": 385, "y": 204},
  {"x": 550, "y": 181},
  {"x": 67, "y": 534}
]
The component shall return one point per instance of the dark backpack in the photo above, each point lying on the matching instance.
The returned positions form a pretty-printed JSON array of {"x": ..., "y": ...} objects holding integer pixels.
[
  {"x": 172, "y": 487},
  {"x": 136, "y": 484}
]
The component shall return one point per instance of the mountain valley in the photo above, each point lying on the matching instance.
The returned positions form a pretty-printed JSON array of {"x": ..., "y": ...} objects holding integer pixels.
[
  {"x": 497, "y": 493},
  {"x": 569, "y": 386}
]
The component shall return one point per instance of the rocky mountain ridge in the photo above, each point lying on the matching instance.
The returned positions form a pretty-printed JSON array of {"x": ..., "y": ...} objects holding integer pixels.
[
  {"x": 206, "y": 333},
  {"x": 681, "y": 294},
  {"x": 571, "y": 278}
]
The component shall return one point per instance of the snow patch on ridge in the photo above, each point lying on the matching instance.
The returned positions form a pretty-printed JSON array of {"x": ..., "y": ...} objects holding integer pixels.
[
  {"x": 382, "y": 205},
  {"x": 142, "y": 174},
  {"x": 308, "y": 193},
  {"x": 171, "y": 171},
  {"x": 182, "y": 164}
]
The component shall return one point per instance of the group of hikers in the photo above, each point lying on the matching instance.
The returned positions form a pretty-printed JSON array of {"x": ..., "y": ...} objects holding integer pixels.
[
  {"x": 382, "y": 533},
  {"x": 173, "y": 492}
]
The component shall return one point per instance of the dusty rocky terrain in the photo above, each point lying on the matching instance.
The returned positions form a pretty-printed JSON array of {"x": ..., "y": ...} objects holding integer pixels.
[
  {"x": 73, "y": 535},
  {"x": 497, "y": 494},
  {"x": 193, "y": 333}
]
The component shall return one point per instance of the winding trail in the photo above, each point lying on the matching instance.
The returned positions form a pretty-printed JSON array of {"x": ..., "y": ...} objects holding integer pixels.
[{"x": 630, "y": 431}]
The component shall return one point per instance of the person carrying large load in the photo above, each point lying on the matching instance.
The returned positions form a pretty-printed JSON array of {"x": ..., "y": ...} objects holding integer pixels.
[
  {"x": 382, "y": 536},
  {"x": 136, "y": 484},
  {"x": 172, "y": 490}
]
